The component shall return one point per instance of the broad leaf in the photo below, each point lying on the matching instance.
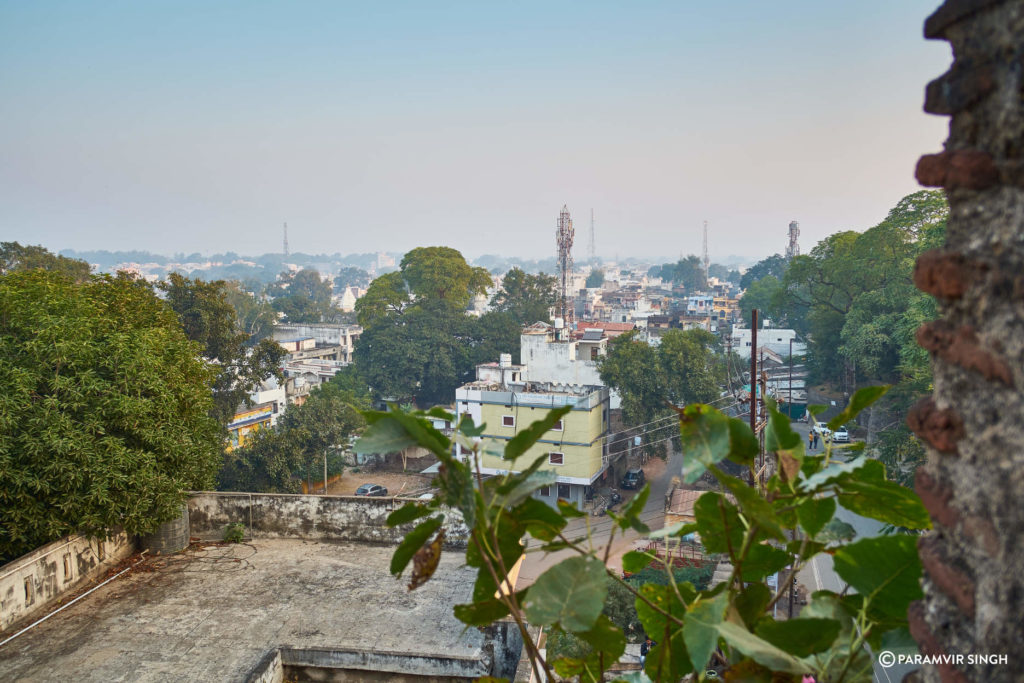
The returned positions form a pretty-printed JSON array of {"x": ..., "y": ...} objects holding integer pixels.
[
  {"x": 705, "y": 433},
  {"x": 569, "y": 510},
  {"x": 606, "y": 637},
  {"x": 383, "y": 436},
  {"x": 867, "y": 492},
  {"x": 763, "y": 560},
  {"x": 779, "y": 434},
  {"x": 815, "y": 513},
  {"x": 831, "y": 474},
  {"x": 407, "y": 513},
  {"x": 760, "y": 650},
  {"x": 800, "y": 637},
  {"x": 885, "y": 569},
  {"x": 634, "y": 561},
  {"x": 718, "y": 523},
  {"x": 484, "y": 612},
  {"x": 754, "y": 507},
  {"x": 632, "y": 509},
  {"x": 752, "y": 602},
  {"x": 412, "y": 542},
  {"x": 743, "y": 445},
  {"x": 571, "y": 593},
  {"x": 521, "y": 442},
  {"x": 541, "y": 520},
  {"x": 669, "y": 659},
  {"x": 700, "y": 628},
  {"x": 860, "y": 400}
]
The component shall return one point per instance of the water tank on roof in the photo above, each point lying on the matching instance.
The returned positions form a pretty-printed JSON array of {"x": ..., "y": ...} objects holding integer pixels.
[
  {"x": 559, "y": 323},
  {"x": 505, "y": 360}
]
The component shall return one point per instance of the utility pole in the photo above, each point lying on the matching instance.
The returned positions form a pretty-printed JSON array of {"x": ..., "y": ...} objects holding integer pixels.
[
  {"x": 325, "y": 473},
  {"x": 707, "y": 260},
  {"x": 753, "y": 370},
  {"x": 789, "y": 398}
]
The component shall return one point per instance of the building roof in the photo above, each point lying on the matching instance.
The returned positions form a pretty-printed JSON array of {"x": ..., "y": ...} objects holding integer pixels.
[
  {"x": 212, "y": 613},
  {"x": 592, "y": 335}
]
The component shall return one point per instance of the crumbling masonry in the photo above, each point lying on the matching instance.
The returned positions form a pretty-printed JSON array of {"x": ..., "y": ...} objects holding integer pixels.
[{"x": 974, "y": 422}]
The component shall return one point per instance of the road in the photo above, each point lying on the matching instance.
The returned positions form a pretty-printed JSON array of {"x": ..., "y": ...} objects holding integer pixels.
[
  {"x": 820, "y": 575},
  {"x": 659, "y": 476}
]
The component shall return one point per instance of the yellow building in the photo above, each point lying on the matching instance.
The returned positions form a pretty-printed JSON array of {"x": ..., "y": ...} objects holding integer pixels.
[
  {"x": 505, "y": 400},
  {"x": 248, "y": 420}
]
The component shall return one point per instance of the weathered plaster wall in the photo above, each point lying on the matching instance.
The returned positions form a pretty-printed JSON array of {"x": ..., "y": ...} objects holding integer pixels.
[
  {"x": 33, "y": 582},
  {"x": 973, "y": 424},
  {"x": 320, "y": 518}
]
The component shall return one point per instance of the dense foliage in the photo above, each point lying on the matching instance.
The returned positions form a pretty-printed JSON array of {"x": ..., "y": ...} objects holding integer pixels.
[
  {"x": 595, "y": 278},
  {"x": 419, "y": 344},
  {"x": 688, "y": 272},
  {"x": 105, "y": 412},
  {"x": 681, "y": 369},
  {"x": 15, "y": 257},
  {"x": 209, "y": 318},
  {"x": 776, "y": 527},
  {"x": 303, "y": 297},
  {"x": 277, "y": 460}
]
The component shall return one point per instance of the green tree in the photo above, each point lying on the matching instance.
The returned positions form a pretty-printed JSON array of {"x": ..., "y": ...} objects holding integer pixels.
[
  {"x": 775, "y": 265},
  {"x": 208, "y": 317},
  {"x": 15, "y": 257},
  {"x": 527, "y": 298},
  {"x": 595, "y": 278},
  {"x": 442, "y": 274},
  {"x": 303, "y": 297},
  {"x": 308, "y": 435},
  {"x": 105, "y": 413},
  {"x": 682, "y": 369},
  {"x": 688, "y": 272},
  {"x": 256, "y": 317},
  {"x": 764, "y": 295},
  {"x": 387, "y": 296},
  {"x": 350, "y": 277}
]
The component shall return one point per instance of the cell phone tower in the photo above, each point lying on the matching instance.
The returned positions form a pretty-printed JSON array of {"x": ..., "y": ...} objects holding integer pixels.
[
  {"x": 593, "y": 245},
  {"x": 286, "y": 240},
  {"x": 564, "y": 236},
  {"x": 793, "y": 248}
]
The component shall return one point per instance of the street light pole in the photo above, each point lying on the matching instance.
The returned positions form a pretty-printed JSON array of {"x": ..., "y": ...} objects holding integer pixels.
[{"x": 790, "y": 378}]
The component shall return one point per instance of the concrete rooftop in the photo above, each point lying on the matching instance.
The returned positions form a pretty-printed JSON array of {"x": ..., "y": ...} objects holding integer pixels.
[{"x": 212, "y": 614}]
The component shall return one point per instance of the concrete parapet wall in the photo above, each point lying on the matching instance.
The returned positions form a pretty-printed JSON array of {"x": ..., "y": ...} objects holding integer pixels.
[
  {"x": 315, "y": 518},
  {"x": 32, "y": 583}
]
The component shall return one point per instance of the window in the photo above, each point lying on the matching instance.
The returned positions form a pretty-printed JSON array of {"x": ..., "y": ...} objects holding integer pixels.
[
  {"x": 67, "y": 566},
  {"x": 556, "y": 458},
  {"x": 508, "y": 421},
  {"x": 563, "y": 491},
  {"x": 557, "y": 427},
  {"x": 544, "y": 491}
]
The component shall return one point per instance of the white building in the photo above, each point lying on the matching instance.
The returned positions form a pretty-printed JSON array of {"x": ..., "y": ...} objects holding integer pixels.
[
  {"x": 553, "y": 356},
  {"x": 774, "y": 339}
]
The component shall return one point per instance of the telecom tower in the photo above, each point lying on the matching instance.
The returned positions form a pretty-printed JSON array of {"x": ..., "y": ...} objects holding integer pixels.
[
  {"x": 707, "y": 260},
  {"x": 286, "y": 240},
  {"x": 564, "y": 235},
  {"x": 593, "y": 246},
  {"x": 793, "y": 249}
]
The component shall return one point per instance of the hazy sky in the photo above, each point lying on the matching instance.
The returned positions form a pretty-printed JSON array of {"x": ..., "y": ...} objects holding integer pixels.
[{"x": 377, "y": 125}]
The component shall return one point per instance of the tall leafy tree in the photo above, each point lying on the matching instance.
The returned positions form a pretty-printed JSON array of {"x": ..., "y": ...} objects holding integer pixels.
[
  {"x": 303, "y": 297},
  {"x": 688, "y": 272},
  {"x": 350, "y": 276},
  {"x": 277, "y": 460},
  {"x": 15, "y": 257},
  {"x": 526, "y": 297},
  {"x": 775, "y": 266},
  {"x": 105, "y": 413},
  {"x": 595, "y": 278},
  {"x": 208, "y": 318}
]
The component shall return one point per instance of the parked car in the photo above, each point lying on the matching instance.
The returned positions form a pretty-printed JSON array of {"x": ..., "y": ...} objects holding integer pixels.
[
  {"x": 371, "y": 490},
  {"x": 822, "y": 429},
  {"x": 841, "y": 435},
  {"x": 634, "y": 479}
]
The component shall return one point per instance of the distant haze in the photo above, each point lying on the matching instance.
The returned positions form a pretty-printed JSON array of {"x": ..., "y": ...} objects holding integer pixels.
[{"x": 381, "y": 126}]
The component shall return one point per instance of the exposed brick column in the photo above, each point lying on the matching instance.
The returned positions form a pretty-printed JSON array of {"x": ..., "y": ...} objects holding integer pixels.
[{"x": 973, "y": 425}]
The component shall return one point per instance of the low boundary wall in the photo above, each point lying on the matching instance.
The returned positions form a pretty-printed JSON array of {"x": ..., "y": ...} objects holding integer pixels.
[
  {"x": 31, "y": 584},
  {"x": 315, "y": 518}
]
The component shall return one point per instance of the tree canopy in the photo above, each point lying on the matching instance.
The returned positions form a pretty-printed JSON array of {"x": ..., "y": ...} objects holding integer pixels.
[
  {"x": 277, "y": 460},
  {"x": 105, "y": 414},
  {"x": 15, "y": 257},
  {"x": 208, "y": 317},
  {"x": 303, "y": 297},
  {"x": 775, "y": 266},
  {"x": 527, "y": 297},
  {"x": 350, "y": 276},
  {"x": 688, "y": 272},
  {"x": 595, "y": 278}
]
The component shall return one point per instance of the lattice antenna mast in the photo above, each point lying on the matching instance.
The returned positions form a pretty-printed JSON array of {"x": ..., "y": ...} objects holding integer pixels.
[
  {"x": 286, "y": 240},
  {"x": 707, "y": 260},
  {"x": 564, "y": 236},
  {"x": 793, "y": 248},
  {"x": 593, "y": 245}
]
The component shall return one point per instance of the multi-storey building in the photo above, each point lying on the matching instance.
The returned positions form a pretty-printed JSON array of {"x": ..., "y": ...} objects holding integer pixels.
[{"x": 504, "y": 400}]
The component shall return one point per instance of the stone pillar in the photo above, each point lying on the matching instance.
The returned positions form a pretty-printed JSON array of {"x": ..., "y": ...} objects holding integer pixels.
[
  {"x": 169, "y": 537},
  {"x": 973, "y": 424}
]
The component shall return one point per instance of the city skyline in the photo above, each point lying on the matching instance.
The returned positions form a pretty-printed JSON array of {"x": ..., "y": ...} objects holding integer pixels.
[{"x": 381, "y": 128}]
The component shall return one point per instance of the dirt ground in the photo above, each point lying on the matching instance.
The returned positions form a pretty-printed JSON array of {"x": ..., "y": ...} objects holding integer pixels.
[{"x": 397, "y": 483}]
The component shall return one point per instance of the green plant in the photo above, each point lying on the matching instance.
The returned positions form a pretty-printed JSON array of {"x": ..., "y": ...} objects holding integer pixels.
[
  {"x": 234, "y": 532},
  {"x": 775, "y": 526}
]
